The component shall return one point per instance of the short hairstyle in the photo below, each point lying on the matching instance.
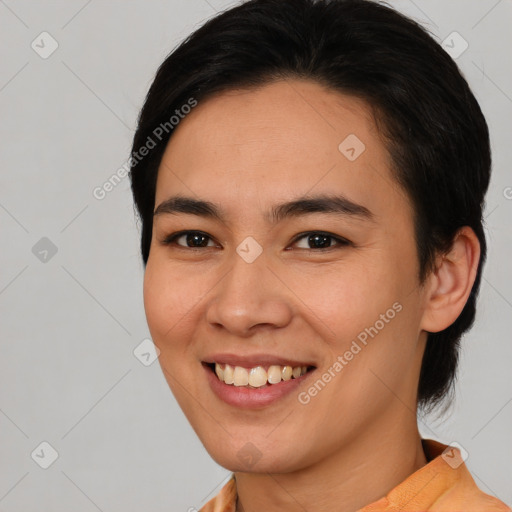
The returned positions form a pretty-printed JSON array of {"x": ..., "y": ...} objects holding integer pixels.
[{"x": 427, "y": 116}]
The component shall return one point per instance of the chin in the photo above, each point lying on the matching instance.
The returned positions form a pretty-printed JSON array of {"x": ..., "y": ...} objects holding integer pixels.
[{"x": 252, "y": 457}]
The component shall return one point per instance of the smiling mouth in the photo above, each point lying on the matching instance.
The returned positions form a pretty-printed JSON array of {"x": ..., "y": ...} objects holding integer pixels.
[{"x": 257, "y": 376}]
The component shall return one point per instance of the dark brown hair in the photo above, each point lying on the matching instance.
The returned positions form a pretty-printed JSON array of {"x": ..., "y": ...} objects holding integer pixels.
[{"x": 433, "y": 126}]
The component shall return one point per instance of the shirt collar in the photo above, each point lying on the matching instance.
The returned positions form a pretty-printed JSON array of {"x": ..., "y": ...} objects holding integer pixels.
[{"x": 443, "y": 484}]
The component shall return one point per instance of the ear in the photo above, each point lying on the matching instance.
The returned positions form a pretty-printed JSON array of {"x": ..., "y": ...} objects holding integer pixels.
[{"x": 449, "y": 286}]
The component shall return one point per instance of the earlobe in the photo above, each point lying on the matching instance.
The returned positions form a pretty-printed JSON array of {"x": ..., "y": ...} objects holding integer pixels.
[{"x": 451, "y": 283}]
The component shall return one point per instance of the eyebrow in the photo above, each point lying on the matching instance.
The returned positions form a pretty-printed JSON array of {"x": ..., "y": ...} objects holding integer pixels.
[{"x": 339, "y": 205}]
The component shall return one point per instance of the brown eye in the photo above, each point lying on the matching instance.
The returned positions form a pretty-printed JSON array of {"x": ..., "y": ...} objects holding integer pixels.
[
  {"x": 190, "y": 239},
  {"x": 319, "y": 240}
]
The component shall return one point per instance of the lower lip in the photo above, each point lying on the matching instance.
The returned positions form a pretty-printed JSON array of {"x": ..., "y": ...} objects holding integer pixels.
[{"x": 251, "y": 398}]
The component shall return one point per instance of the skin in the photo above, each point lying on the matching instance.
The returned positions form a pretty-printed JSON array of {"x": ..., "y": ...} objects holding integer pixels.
[{"x": 248, "y": 150}]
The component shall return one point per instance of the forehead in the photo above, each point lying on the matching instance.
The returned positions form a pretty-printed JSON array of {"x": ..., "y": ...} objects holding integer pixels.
[{"x": 275, "y": 142}]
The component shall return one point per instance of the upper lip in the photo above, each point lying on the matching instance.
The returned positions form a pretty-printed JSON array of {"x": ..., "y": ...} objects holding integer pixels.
[{"x": 250, "y": 361}]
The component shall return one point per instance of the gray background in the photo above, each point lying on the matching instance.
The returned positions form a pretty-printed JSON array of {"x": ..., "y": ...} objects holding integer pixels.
[{"x": 71, "y": 320}]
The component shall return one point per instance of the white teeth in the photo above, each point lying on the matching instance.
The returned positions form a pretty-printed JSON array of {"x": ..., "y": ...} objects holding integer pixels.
[
  {"x": 228, "y": 374},
  {"x": 286, "y": 374},
  {"x": 257, "y": 377},
  {"x": 274, "y": 374},
  {"x": 241, "y": 376}
]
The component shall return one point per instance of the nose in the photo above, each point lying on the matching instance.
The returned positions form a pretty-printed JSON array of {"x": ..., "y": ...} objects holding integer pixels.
[{"x": 249, "y": 298}]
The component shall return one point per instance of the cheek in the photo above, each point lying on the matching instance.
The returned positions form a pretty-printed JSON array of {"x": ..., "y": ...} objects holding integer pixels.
[
  {"x": 169, "y": 300},
  {"x": 346, "y": 298},
  {"x": 367, "y": 312}
]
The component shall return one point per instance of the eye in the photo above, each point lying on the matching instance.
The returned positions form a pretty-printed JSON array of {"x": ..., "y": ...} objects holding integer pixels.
[
  {"x": 190, "y": 239},
  {"x": 311, "y": 240},
  {"x": 314, "y": 240}
]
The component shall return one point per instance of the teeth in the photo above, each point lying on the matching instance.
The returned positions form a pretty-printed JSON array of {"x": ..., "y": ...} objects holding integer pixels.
[
  {"x": 228, "y": 374},
  {"x": 257, "y": 377},
  {"x": 286, "y": 373},
  {"x": 274, "y": 374},
  {"x": 241, "y": 376}
]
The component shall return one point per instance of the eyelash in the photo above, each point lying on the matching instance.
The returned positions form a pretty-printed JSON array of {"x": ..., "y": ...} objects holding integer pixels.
[{"x": 341, "y": 242}]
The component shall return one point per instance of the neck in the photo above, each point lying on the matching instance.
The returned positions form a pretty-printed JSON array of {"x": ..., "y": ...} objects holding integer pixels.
[{"x": 357, "y": 474}]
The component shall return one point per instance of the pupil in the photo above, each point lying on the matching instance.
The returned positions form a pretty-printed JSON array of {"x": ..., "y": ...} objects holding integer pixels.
[
  {"x": 319, "y": 241},
  {"x": 196, "y": 237}
]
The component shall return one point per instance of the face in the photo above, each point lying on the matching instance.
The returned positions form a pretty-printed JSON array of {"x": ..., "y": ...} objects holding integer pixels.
[{"x": 291, "y": 245}]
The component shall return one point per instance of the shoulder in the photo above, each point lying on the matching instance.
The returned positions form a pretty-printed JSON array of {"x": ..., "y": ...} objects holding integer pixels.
[
  {"x": 442, "y": 485},
  {"x": 459, "y": 490},
  {"x": 466, "y": 496}
]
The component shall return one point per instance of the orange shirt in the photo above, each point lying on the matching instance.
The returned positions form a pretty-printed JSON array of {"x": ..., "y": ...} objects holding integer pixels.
[{"x": 442, "y": 485}]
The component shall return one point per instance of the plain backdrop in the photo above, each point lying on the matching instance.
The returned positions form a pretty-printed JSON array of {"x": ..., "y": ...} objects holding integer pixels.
[{"x": 71, "y": 274}]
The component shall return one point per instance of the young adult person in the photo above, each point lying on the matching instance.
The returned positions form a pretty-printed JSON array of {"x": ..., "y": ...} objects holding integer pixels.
[{"x": 310, "y": 177}]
